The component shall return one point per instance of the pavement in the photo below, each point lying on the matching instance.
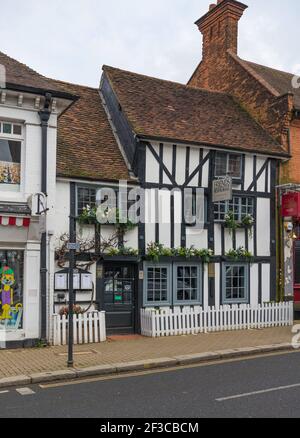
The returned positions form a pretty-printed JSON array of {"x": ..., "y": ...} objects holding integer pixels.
[
  {"x": 134, "y": 353},
  {"x": 259, "y": 387}
]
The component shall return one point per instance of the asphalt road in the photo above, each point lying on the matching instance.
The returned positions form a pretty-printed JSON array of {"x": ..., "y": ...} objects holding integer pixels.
[{"x": 261, "y": 387}]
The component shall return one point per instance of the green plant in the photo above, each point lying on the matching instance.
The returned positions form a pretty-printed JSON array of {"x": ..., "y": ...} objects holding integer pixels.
[
  {"x": 122, "y": 251},
  {"x": 154, "y": 251},
  {"x": 88, "y": 216},
  {"x": 248, "y": 222},
  {"x": 106, "y": 216},
  {"x": 157, "y": 250},
  {"x": 230, "y": 222},
  {"x": 240, "y": 253},
  {"x": 204, "y": 254},
  {"x": 184, "y": 252}
]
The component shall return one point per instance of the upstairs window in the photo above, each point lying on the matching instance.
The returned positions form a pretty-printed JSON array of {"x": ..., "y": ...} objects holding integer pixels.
[
  {"x": 10, "y": 153},
  {"x": 228, "y": 165},
  {"x": 239, "y": 206},
  {"x": 86, "y": 196}
]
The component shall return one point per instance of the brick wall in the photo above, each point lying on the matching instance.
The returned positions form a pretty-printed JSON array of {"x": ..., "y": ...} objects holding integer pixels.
[{"x": 221, "y": 70}]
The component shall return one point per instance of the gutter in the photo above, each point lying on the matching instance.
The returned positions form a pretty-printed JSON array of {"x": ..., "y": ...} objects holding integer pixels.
[{"x": 41, "y": 91}]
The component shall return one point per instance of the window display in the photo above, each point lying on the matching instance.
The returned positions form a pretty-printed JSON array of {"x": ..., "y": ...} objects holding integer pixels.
[{"x": 11, "y": 289}]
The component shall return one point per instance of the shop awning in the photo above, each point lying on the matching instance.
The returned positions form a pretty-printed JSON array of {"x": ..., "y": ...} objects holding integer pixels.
[{"x": 13, "y": 221}]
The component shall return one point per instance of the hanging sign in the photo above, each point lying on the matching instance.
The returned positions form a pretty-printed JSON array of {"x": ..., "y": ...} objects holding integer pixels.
[{"x": 222, "y": 189}]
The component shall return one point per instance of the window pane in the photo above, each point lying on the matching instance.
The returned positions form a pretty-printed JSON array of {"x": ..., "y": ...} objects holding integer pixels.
[
  {"x": 221, "y": 164},
  {"x": 157, "y": 285},
  {"x": 10, "y": 162},
  {"x": 7, "y": 128},
  {"x": 85, "y": 196},
  {"x": 187, "y": 283},
  {"x": 17, "y": 130},
  {"x": 235, "y": 283},
  {"x": 234, "y": 166}
]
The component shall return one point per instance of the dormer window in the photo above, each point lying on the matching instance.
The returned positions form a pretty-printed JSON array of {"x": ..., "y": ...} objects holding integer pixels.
[
  {"x": 227, "y": 164},
  {"x": 10, "y": 154}
]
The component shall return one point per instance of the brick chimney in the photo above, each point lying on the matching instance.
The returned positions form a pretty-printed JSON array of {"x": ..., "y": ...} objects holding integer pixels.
[{"x": 219, "y": 28}]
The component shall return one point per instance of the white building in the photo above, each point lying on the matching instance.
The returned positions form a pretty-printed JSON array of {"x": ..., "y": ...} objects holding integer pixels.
[{"x": 152, "y": 134}]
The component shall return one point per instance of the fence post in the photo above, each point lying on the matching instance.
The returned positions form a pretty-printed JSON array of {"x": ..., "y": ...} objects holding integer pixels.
[{"x": 102, "y": 326}]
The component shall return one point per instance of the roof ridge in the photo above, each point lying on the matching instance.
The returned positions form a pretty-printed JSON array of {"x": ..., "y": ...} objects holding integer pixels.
[
  {"x": 59, "y": 81},
  {"x": 179, "y": 84},
  {"x": 22, "y": 64},
  {"x": 266, "y": 66},
  {"x": 253, "y": 73}
]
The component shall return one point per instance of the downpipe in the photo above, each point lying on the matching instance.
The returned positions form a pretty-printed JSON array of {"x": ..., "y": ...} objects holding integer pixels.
[{"x": 44, "y": 114}]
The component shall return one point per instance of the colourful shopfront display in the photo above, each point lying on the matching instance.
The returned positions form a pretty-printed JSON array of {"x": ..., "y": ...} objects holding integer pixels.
[{"x": 11, "y": 289}]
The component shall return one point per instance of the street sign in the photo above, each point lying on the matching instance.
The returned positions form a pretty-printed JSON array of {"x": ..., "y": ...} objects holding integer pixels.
[
  {"x": 222, "y": 189},
  {"x": 73, "y": 246}
]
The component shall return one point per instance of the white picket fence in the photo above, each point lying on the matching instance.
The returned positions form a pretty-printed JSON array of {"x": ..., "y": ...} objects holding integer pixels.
[
  {"x": 190, "y": 321},
  {"x": 89, "y": 328}
]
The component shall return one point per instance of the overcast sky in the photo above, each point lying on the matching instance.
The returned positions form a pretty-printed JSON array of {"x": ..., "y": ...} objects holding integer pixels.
[{"x": 71, "y": 39}]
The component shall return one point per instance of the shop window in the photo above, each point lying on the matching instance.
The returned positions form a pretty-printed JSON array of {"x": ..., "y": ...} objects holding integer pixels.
[
  {"x": 11, "y": 293},
  {"x": 235, "y": 284}
]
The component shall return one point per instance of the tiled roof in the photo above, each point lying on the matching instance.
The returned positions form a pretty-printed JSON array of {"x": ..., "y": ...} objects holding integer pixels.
[
  {"x": 20, "y": 75},
  {"x": 87, "y": 147},
  {"x": 167, "y": 110},
  {"x": 281, "y": 81}
]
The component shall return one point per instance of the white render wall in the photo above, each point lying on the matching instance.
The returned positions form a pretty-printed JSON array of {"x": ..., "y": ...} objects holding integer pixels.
[{"x": 28, "y": 240}]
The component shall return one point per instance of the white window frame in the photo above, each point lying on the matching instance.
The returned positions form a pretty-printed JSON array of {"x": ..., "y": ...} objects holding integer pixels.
[{"x": 15, "y": 188}]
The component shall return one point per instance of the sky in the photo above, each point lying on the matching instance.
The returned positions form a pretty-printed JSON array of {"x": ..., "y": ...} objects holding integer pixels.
[{"x": 70, "y": 40}]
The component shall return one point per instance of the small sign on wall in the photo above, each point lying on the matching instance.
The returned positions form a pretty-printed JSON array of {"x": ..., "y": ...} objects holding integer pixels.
[{"x": 222, "y": 189}]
